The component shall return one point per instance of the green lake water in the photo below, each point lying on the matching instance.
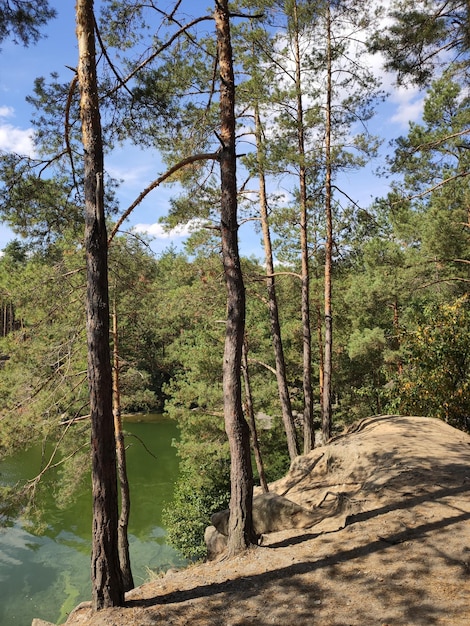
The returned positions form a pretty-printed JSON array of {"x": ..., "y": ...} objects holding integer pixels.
[{"x": 46, "y": 576}]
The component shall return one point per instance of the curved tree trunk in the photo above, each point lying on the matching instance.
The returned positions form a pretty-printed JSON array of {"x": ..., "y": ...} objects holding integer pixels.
[
  {"x": 107, "y": 589},
  {"x": 241, "y": 533}
]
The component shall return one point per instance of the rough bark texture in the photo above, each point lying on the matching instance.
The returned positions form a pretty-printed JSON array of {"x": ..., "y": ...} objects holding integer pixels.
[
  {"x": 321, "y": 358},
  {"x": 241, "y": 533},
  {"x": 281, "y": 374},
  {"x": 309, "y": 435},
  {"x": 249, "y": 410},
  {"x": 328, "y": 353},
  {"x": 107, "y": 587},
  {"x": 123, "y": 540}
]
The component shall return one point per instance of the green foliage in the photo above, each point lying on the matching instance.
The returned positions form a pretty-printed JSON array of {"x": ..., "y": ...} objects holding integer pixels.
[
  {"x": 73, "y": 471},
  {"x": 435, "y": 378},
  {"x": 35, "y": 207},
  {"x": 136, "y": 392},
  {"x": 273, "y": 450},
  {"x": 400, "y": 267},
  {"x": 44, "y": 371},
  {"x": 11, "y": 503},
  {"x": 423, "y": 35},
  {"x": 195, "y": 395},
  {"x": 21, "y": 20},
  {"x": 189, "y": 512}
]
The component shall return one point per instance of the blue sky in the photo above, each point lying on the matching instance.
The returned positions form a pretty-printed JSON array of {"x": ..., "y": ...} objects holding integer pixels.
[{"x": 20, "y": 66}]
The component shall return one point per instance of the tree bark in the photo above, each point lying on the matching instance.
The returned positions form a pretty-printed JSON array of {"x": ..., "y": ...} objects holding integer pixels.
[
  {"x": 328, "y": 352},
  {"x": 107, "y": 589},
  {"x": 241, "y": 534},
  {"x": 123, "y": 524},
  {"x": 281, "y": 375},
  {"x": 309, "y": 435},
  {"x": 251, "y": 420},
  {"x": 321, "y": 359}
]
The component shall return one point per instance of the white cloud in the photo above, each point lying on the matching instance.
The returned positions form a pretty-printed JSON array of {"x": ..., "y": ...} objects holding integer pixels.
[
  {"x": 6, "y": 111},
  {"x": 132, "y": 176},
  {"x": 409, "y": 102},
  {"x": 159, "y": 232},
  {"x": 13, "y": 139},
  {"x": 406, "y": 101}
]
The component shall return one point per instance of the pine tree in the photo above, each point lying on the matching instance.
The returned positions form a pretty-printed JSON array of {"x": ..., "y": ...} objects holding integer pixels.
[
  {"x": 22, "y": 20},
  {"x": 107, "y": 584},
  {"x": 241, "y": 532},
  {"x": 421, "y": 38}
]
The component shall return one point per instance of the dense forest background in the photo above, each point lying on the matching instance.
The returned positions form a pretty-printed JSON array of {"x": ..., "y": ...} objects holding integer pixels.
[{"x": 369, "y": 303}]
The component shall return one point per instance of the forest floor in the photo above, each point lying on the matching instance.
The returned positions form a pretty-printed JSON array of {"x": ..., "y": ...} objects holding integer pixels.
[{"x": 396, "y": 551}]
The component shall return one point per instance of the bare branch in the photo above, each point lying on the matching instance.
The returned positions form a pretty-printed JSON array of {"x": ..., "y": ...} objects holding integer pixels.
[
  {"x": 175, "y": 8},
  {"x": 75, "y": 419},
  {"x": 34, "y": 481},
  {"x": 143, "y": 444},
  {"x": 294, "y": 274},
  {"x": 438, "y": 142},
  {"x": 106, "y": 56},
  {"x": 72, "y": 87},
  {"x": 163, "y": 47},
  {"x": 353, "y": 202},
  {"x": 205, "y": 156},
  {"x": 249, "y": 219},
  {"x": 265, "y": 365},
  {"x": 48, "y": 163},
  {"x": 431, "y": 189},
  {"x": 444, "y": 280}
]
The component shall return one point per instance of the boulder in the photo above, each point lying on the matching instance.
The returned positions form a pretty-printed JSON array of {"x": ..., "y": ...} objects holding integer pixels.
[
  {"x": 215, "y": 542},
  {"x": 272, "y": 513}
]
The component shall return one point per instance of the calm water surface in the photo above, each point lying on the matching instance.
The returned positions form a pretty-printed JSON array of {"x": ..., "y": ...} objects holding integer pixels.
[{"x": 46, "y": 576}]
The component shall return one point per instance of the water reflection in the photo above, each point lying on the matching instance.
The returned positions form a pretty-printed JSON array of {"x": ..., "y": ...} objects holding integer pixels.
[{"x": 46, "y": 576}]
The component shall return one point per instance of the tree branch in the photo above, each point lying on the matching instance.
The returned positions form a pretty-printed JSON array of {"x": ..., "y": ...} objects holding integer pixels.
[
  {"x": 265, "y": 365},
  {"x": 294, "y": 274},
  {"x": 205, "y": 156},
  {"x": 431, "y": 189},
  {"x": 73, "y": 84},
  {"x": 438, "y": 142},
  {"x": 106, "y": 56},
  {"x": 159, "y": 51}
]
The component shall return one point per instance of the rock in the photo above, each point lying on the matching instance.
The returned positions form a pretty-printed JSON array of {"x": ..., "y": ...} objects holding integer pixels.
[
  {"x": 215, "y": 542},
  {"x": 40, "y": 622},
  {"x": 272, "y": 513}
]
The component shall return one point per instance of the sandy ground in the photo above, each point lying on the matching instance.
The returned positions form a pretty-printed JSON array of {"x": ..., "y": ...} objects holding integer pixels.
[{"x": 396, "y": 551}]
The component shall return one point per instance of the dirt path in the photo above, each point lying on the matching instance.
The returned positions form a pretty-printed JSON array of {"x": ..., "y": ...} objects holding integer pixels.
[{"x": 397, "y": 552}]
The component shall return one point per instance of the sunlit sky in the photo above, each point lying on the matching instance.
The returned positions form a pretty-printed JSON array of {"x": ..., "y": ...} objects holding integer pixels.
[{"x": 137, "y": 168}]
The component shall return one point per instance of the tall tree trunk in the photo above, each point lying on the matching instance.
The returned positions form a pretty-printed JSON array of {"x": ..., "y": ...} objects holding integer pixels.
[
  {"x": 281, "y": 375},
  {"x": 396, "y": 332},
  {"x": 309, "y": 435},
  {"x": 251, "y": 420},
  {"x": 107, "y": 588},
  {"x": 123, "y": 540},
  {"x": 8, "y": 318},
  {"x": 328, "y": 352},
  {"x": 241, "y": 533},
  {"x": 321, "y": 359}
]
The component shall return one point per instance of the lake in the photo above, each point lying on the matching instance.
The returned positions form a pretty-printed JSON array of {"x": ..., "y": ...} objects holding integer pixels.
[{"x": 46, "y": 576}]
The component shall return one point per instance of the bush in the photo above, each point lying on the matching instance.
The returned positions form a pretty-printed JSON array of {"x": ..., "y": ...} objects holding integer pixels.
[
  {"x": 188, "y": 515},
  {"x": 435, "y": 379}
]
